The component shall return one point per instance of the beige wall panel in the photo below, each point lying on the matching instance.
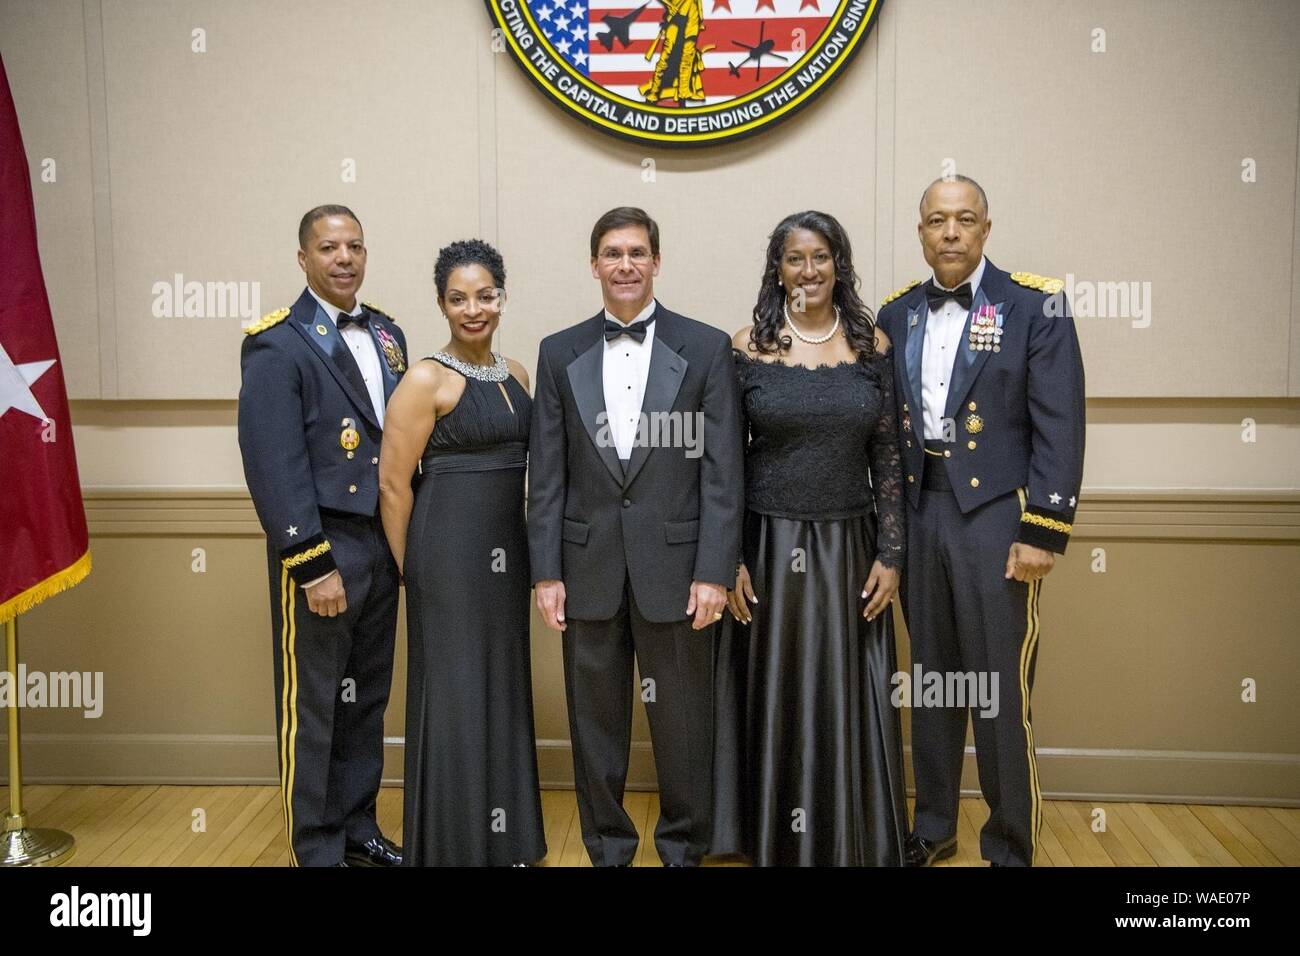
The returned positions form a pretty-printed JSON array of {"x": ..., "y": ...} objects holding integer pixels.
[
  {"x": 1123, "y": 166},
  {"x": 715, "y": 207},
  {"x": 216, "y": 155},
  {"x": 1138, "y": 688},
  {"x": 181, "y": 652},
  {"x": 44, "y": 50},
  {"x": 158, "y": 444},
  {"x": 1153, "y": 652},
  {"x": 1295, "y": 282},
  {"x": 1192, "y": 443}
]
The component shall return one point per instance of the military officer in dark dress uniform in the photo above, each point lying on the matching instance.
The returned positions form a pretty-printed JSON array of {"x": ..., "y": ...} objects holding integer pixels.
[
  {"x": 991, "y": 410},
  {"x": 316, "y": 378}
]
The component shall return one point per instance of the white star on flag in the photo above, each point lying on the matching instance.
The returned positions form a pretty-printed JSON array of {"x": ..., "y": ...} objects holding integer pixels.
[{"x": 15, "y": 385}]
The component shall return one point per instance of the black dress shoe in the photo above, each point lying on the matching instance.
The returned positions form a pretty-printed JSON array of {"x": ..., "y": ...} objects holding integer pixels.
[
  {"x": 918, "y": 851},
  {"x": 377, "y": 851}
]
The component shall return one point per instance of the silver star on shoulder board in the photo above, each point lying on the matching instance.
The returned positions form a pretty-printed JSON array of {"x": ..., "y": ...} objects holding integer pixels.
[
  {"x": 1054, "y": 498},
  {"x": 293, "y": 531}
]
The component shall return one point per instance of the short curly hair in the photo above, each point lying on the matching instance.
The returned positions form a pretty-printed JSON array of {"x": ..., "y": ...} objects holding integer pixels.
[{"x": 468, "y": 252}]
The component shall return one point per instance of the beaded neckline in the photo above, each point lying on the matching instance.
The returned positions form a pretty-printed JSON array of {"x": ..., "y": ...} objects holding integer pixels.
[{"x": 498, "y": 371}]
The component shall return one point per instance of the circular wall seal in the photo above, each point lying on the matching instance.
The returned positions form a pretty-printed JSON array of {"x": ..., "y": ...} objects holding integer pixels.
[{"x": 682, "y": 72}]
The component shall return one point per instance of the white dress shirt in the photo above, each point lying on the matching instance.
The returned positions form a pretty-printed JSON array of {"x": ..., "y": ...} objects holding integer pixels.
[
  {"x": 943, "y": 336},
  {"x": 363, "y": 350},
  {"x": 623, "y": 373}
]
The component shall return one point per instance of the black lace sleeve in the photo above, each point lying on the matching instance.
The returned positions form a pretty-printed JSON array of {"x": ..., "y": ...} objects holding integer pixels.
[
  {"x": 887, "y": 471},
  {"x": 740, "y": 361}
]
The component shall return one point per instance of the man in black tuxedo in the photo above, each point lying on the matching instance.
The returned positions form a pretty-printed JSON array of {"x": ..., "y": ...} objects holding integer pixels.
[{"x": 635, "y": 496}]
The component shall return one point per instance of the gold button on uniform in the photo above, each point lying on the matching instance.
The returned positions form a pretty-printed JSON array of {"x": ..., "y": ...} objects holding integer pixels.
[
  {"x": 909, "y": 443},
  {"x": 974, "y": 482},
  {"x": 911, "y": 478},
  {"x": 970, "y": 445},
  {"x": 352, "y": 489},
  {"x": 971, "y": 406},
  {"x": 374, "y": 461},
  {"x": 947, "y": 453},
  {"x": 352, "y": 454}
]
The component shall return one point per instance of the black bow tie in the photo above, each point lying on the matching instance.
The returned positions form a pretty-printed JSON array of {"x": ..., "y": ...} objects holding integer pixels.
[
  {"x": 360, "y": 320},
  {"x": 636, "y": 330},
  {"x": 936, "y": 297}
]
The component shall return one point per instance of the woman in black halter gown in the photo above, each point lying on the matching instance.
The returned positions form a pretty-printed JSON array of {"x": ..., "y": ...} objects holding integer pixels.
[{"x": 458, "y": 425}]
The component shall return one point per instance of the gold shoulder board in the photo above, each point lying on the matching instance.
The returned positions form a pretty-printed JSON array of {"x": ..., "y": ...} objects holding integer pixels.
[
  {"x": 266, "y": 321},
  {"x": 1041, "y": 283},
  {"x": 899, "y": 292}
]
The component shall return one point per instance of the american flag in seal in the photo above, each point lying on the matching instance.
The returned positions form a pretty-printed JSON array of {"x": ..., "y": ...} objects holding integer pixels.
[
  {"x": 631, "y": 65},
  {"x": 712, "y": 50}
]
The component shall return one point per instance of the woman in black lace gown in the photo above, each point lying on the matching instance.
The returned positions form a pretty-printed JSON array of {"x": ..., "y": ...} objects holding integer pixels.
[
  {"x": 459, "y": 423},
  {"x": 808, "y": 752}
]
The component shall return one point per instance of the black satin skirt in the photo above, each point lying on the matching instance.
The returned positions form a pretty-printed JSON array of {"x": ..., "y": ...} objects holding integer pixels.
[{"x": 808, "y": 750}]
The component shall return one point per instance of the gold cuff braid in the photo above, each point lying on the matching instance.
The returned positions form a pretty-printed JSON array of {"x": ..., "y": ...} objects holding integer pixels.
[
  {"x": 1050, "y": 523},
  {"x": 304, "y": 556}
]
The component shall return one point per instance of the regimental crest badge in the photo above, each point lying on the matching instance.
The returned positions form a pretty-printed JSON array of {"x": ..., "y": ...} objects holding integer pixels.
[
  {"x": 683, "y": 72},
  {"x": 392, "y": 351}
]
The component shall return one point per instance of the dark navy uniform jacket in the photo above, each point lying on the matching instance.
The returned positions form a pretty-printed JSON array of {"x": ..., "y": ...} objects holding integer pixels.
[
  {"x": 301, "y": 400},
  {"x": 1016, "y": 415}
]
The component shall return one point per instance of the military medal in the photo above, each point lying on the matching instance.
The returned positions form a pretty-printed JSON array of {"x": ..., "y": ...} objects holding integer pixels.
[
  {"x": 974, "y": 424},
  {"x": 986, "y": 330},
  {"x": 350, "y": 438},
  {"x": 392, "y": 351}
]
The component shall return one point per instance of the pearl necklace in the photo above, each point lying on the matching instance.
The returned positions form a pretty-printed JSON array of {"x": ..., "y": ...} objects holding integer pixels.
[{"x": 806, "y": 339}]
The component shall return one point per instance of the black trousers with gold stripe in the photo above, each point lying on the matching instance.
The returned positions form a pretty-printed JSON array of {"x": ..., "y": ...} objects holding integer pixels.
[
  {"x": 332, "y": 680},
  {"x": 964, "y": 616}
]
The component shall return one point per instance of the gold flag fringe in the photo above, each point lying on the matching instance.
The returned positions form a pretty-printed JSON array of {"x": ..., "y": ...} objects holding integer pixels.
[{"x": 70, "y": 576}]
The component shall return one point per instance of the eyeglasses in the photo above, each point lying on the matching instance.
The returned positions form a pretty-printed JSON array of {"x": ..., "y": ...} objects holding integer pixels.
[
  {"x": 612, "y": 257},
  {"x": 490, "y": 300}
]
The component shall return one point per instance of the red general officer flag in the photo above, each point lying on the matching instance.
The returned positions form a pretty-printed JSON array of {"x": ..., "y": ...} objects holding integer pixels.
[{"x": 44, "y": 547}]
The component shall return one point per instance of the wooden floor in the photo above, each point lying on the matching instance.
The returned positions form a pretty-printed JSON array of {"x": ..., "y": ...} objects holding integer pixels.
[{"x": 155, "y": 826}]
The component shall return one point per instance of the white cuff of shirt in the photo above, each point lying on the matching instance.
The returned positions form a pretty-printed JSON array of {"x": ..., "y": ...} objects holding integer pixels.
[{"x": 312, "y": 584}]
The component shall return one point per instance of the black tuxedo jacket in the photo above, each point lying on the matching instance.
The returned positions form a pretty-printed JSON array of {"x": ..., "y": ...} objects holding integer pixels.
[{"x": 675, "y": 516}]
